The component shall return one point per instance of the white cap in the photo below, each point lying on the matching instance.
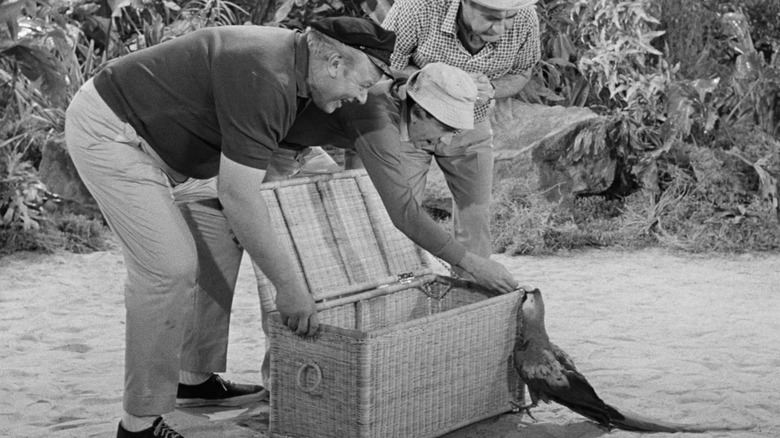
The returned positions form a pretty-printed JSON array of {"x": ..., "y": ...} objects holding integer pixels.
[
  {"x": 448, "y": 93},
  {"x": 505, "y": 5}
]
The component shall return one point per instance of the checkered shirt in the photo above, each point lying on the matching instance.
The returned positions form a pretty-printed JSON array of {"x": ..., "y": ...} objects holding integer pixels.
[{"x": 425, "y": 33}]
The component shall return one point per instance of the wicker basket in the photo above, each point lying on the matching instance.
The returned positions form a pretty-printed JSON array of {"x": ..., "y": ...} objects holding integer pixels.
[{"x": 401, "y": 352}]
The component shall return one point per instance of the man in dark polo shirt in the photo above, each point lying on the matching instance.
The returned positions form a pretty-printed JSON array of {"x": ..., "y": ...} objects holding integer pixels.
[{"x": 148, "y": 135}]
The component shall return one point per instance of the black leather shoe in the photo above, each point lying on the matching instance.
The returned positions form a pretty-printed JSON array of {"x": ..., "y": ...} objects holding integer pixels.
[
  {"x": 218, "y": 392},
  {"x": 158, "y": 430}
]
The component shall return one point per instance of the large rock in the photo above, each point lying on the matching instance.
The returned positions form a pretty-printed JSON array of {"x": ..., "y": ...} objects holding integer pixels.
[
  {"x": 561, "y": 149},
  {"x": 59, "y": 174}
]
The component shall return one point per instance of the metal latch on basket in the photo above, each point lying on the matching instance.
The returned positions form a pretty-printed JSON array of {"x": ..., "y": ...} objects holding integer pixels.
[{"x": 406, "y": 277}]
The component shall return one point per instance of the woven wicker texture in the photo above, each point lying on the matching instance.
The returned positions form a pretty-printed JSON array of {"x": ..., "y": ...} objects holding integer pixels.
[
  {"x": 339, "y": 233},
  {"x": 412, "y": 358},
  {"x": 264, "y": 285},
  {"x": 402, "y": 255},
  {"x": 418, "y": 366}
]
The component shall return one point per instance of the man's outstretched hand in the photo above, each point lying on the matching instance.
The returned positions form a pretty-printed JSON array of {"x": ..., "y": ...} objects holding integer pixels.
[
  {"x": 298, "y": 312},
  {"x": 488, "y": 273}
]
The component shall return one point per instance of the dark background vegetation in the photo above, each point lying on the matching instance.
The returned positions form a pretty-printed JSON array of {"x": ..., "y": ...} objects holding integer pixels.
[{"x": 690, "y": 90}]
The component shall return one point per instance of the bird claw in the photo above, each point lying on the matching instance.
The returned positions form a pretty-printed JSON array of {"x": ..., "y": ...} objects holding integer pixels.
[{"x": 526, "y": 408}]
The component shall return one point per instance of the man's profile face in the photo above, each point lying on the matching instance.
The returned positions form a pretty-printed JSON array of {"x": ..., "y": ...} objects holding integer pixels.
[
  {"x": 345, "y": 84},
  {"x": 485, "y": 23},
  {"x": 425, "y": 130}
]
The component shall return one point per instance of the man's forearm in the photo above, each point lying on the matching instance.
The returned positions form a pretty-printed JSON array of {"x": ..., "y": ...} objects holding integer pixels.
[
  {"x": 379, "y": 149},
  {"x": 250, "y": 221},
  {"x": 406, "y": 71},
  {"x": 247, "y": 214},
  {"x": 510, "y": 85}
]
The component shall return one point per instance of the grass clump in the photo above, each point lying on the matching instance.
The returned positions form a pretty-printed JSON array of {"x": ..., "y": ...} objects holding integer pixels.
[
  {"x": 719, "y": 199},
  {"x": 524, "y": 223}
]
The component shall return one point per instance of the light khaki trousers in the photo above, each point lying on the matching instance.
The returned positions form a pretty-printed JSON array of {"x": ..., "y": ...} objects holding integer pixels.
[{"x": 181, "y": 262}]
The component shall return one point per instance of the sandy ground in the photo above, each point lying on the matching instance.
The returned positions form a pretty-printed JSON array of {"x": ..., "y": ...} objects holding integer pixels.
[{"x": 677, "y": 337}]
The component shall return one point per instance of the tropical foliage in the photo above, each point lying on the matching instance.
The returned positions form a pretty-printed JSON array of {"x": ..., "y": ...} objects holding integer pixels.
[
  {"x": 687, "y": 86},
  {"x": 48, "y": 49},
  {"x": 692, "y": 105}
]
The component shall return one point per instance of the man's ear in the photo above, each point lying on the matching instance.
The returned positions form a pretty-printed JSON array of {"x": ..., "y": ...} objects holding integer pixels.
[{"x": 335, "y": 61}]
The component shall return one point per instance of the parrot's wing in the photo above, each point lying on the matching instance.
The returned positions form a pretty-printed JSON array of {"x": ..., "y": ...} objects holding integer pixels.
[
  {"x": 563, "y": 358},
  {"x": 542, "y": 373}
]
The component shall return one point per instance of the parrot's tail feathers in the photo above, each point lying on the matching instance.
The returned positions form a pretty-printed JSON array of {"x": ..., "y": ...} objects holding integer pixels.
[
  {"x": 581, "y": 398},
  {"x": 591, "y": 411},
  {"x": 638, "y": 423}
]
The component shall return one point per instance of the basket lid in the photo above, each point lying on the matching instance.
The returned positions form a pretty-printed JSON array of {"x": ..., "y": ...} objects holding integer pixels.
[{"x": 340, "y": 235}]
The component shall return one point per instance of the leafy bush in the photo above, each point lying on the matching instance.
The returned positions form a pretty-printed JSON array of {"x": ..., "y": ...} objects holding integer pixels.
[
  {"x": 690, "y": 91},
  {"x": 299, "y": 14},
  {"x": 47, "y": 51},
  {"x": 712, "y": 201},
  {"x": 764, "y": 15},
  {"x": 555, "y": 80},
  {"x": 67, "y": 232},
  {"x": 695, "y": 39},
  {"x": 22, "y": 195}
]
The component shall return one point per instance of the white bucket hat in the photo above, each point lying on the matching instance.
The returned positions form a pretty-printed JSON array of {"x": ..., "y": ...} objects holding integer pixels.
[
  {"x": 446, "y": 92},
  {"x": 505, "y": 5}
]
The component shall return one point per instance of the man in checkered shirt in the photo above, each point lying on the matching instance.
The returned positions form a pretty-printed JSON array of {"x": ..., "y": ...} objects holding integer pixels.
[{"x": 497, "y": 42}]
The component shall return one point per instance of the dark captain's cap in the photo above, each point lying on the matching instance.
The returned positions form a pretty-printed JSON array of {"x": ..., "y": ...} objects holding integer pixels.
[{"x": 362, "y": 34}]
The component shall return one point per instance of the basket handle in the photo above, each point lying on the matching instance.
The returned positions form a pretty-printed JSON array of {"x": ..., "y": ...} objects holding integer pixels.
[{"x": 317, "y": 377}]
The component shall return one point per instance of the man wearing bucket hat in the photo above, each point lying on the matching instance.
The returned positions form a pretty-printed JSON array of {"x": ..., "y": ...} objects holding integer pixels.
[
  {"x": 427, "y": 108},
  {"x": 148, "y": 135},
  {"x": 430, "y": 107},
  {"x": 497, "y": 42}
]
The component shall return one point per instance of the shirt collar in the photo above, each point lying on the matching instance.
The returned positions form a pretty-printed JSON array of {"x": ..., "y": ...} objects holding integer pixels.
[
  {"x": 448, "y": 24},
  {"x": 301, "y": 65}
]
